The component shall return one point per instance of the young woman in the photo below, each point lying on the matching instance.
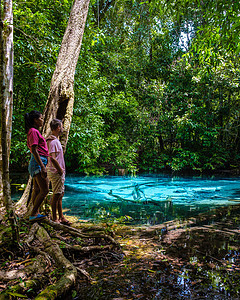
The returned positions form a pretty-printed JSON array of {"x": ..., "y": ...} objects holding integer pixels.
[{"x": 37, "y": 165}]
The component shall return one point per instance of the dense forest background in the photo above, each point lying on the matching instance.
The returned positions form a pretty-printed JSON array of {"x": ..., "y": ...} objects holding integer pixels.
[{"x": 156, "y": 86}]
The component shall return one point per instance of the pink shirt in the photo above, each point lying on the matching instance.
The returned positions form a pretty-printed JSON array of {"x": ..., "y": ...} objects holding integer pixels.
[
  {"x": 34, "y": 137},
  {"x": 54, "y": 146}
]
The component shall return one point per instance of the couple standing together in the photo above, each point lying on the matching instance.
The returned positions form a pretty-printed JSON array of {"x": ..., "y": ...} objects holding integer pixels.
[{"x": 46, "y": 163}]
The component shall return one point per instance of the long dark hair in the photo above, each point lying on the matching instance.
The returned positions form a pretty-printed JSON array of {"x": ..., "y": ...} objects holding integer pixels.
[{"x": 29, "y": 119}]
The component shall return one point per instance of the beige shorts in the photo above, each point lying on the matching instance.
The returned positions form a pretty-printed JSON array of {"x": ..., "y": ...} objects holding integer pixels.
[{"x": 57, "y": 182}]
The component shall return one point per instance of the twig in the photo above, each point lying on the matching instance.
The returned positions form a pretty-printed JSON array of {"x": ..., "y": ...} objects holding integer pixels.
[
  {"x": 223, "y": 263},
  {"x": 85, "y": 273}
]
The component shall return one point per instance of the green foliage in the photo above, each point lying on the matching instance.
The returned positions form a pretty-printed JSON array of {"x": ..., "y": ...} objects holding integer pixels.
[
  {"x": 38, "y": 31},
  {"x": 156, "y": 86}
]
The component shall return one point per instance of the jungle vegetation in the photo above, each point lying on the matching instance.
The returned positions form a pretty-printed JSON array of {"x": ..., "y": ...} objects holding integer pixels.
[
  {"x": 156, "y": 84},
  {"x": 156, "y": 88}
]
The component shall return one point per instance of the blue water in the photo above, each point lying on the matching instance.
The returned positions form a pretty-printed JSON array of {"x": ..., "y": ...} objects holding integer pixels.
[{"x": 147, "y": 199}]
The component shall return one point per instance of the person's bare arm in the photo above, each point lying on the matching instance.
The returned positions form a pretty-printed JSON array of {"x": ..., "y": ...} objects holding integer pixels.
[
  {"x": 55, "y": 163},
  {"x": 39, "y": 161}
]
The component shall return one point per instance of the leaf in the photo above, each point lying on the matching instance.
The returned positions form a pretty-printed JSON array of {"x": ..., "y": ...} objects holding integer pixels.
[
  {"x": 74, "y": 294},
  {"x": 16, "y": 295}
]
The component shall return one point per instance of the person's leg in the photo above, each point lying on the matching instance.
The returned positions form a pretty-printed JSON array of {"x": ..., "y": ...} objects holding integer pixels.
[
  {"x": 60, "y": 212},
  {"x": 43, "y": 191},
  {"x": 54, "y": 205},
  {"x": 62, "y": 219},
  {"x": 35, "y": 190}
]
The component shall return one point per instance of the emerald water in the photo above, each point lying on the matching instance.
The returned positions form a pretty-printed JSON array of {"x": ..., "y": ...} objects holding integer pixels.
[{"x": 147, "y": 199}]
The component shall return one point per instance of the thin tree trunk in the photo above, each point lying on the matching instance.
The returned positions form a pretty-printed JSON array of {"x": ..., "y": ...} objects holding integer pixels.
[
  {"x": 6, "y": 96},
  {"x": 1, "y": 97},
  {"x": 61, "y": 95}
]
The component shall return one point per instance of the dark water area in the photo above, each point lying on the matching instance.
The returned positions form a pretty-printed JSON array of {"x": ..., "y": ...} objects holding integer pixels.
[{"x": 144, "y": 199}]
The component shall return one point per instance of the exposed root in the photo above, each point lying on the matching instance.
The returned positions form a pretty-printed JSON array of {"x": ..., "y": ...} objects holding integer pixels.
[
  {"x": 35, "y": 266},
  {"x": 84, "y": 273},
  {"x": 76, "y": 232},
  {"x": 70, "y": 272},
  {"x": 85, "y": 250},
  {"x": 35, "y": 272},
  {"x": 26, "y": 287},
  {"x": 31, "y": 235},
  {"x": 10, "y": 275}
]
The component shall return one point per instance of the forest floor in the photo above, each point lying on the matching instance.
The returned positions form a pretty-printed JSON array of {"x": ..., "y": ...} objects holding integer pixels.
[
  {"x": 198, "y": 258},
  {"x": 193, "y": 259}
]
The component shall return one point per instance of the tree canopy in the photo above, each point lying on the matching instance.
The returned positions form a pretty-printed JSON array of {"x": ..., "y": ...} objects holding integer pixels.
[{"x": 156, "y": 85}]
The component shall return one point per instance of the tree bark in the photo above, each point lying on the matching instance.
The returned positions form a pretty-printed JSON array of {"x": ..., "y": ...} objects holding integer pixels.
[
  {"x": 61, "y": 95},
  {"x": 6, "y": 100},
  {"x": 1, "y": 102}
]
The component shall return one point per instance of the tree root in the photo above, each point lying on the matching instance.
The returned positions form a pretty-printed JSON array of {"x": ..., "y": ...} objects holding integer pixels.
[
  {"x": 37, "y": 267},
  {"x": 28, "y": 286},
  {"x": 76, "y": 232},
  {"x": 35, "y": 273},
  {"x": 70, "y": 272},
  {"x": 85, "y": 250},
  {"x": 84, "y": 273}
]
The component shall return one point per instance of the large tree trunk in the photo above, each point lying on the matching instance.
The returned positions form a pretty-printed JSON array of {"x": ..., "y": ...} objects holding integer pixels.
[
  {"x": 6, "y": 100},
  {"x": 61, "y": 95}
]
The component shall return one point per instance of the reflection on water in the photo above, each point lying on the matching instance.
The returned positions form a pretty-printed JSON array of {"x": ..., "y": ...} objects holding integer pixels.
[{"x": 148, "y": 199}]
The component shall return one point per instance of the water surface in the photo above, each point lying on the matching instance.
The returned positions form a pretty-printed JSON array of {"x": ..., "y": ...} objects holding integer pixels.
[{"x": 147, "y": 199}]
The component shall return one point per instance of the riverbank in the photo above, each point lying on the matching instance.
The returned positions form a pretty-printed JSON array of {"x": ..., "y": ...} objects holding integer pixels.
[
  {"x": 192, "y": 259},
  {"x": 23, "y": 173},
  {"x": 182, "y": 259}
]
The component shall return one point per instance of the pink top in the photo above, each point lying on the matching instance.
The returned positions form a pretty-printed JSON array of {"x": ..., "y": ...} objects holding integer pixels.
[
  {"x": 34, "y": 137},
  {"x": 54, "y": 146}
]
